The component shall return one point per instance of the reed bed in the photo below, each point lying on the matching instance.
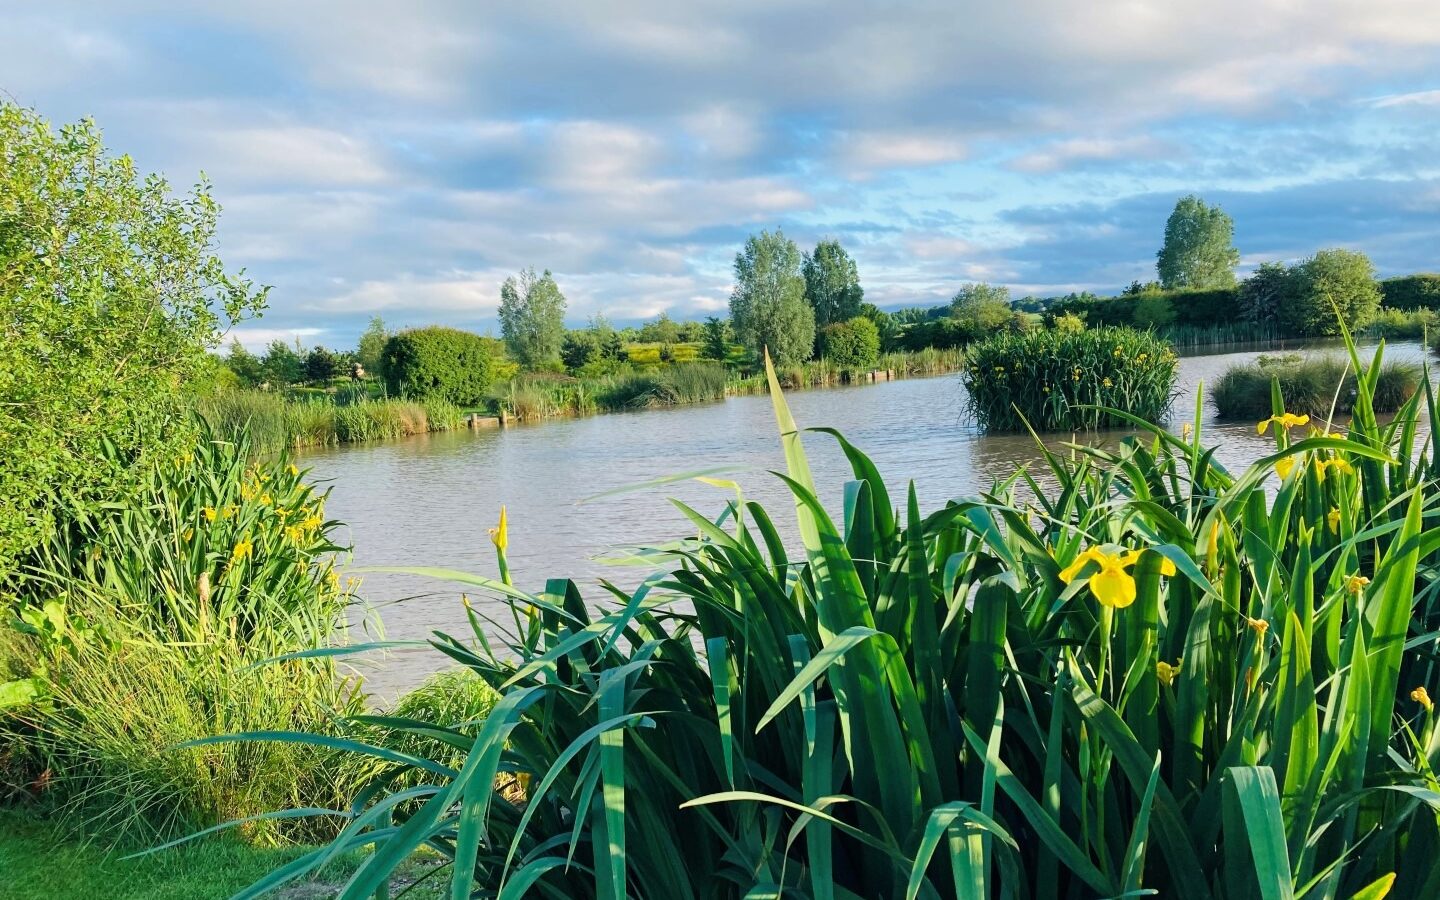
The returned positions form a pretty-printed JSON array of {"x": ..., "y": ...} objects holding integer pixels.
[
  {"x": 1158, "y": 676},
  {"x": 1316, "y": 386},
  {"x": 275, "y": 422},
  {"x": 1058, "y": 381}
]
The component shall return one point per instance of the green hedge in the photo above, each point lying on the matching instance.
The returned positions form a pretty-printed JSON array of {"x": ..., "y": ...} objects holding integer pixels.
[
  {"x": 1420, "y": 291},
  {"x": 444, "y": 363},
  {"x": 851, "y": 345}
]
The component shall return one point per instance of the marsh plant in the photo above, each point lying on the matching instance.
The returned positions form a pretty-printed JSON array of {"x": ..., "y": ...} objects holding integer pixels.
[
  {"x": 1319, "y": 386},
  {"x": 1056, "y": 380}
]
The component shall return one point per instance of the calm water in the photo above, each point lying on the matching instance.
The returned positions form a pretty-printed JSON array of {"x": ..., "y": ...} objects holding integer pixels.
[{"x": 429, "y": 500}]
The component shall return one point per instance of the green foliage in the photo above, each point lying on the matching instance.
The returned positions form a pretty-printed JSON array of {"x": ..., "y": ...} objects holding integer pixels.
[
  {"x": 1421, "y": 291},
  {"x": 369, "y": 352},
  {"x": 767, "y": 307},
  {"x": 320, "y": 366},
  {"x": 1068, "y": 323},
  {"x": 981, "y": 309},
  {"x": 1199, "y": 250},
  {"x": 274, "y": 422},
  {"x": 248, "y": 369},
  {"x": 1329, "y": 283},
  {"x": 142, "y": 625},
  {"x": 110, "y": 295},
  {"x": 1053, "y": 381},
  {"x": 532, "y": 318},
  {"x": 1154, "y": 311},
  {"x": 832, "y": 284},
  {"x": 1315, "y": 386},
  {"x": 1410, "y": 324},
  {"x": 664, "y": 330},
  {"x": 282, "y": 364},
  {"x": 1158, "y": 675},
  {"x": 851, "y": 345},
  {"x": 716, "y": 341},
  {"x": 447, "y": 363},
  {"x": 1267, "y": 293}
]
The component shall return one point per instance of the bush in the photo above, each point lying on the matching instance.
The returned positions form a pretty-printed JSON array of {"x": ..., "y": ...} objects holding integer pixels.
[
  {"x": 100, "y": 342},
  {"x": 1055, "y": 381},
  {"x": 1331, "y": 282},
  {"x": 1310, "y": 385},
  {"x": 1409, "y": 324},
  {"x": 447, "y": 363},
  {"x": 1157, "y": 676},
  {"x": 1154, "y": 311},
  {"x": 143, "y": 627},
  {"x": 273, "y": 422},
  {"x": 851, "y": 345},
  {"x": 1420, "y": 291}
]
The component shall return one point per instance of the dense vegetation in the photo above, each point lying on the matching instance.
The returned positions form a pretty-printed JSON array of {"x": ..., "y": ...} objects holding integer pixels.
[
  {"x": 1057, "y": 381},
  {"x": 441, "y": 363},
  {"x": 1320, "y": 387},
  {"x": 1155, "y": 674}
]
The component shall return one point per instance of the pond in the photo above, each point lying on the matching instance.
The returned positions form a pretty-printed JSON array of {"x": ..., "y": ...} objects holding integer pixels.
[{"x": 429, "y": 500}]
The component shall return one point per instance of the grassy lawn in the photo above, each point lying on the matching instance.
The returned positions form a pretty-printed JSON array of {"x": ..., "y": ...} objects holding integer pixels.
[{"x": 37, "y": 863}]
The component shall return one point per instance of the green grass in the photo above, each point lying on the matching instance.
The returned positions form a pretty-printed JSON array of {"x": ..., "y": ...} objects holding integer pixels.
[
  {"x": 39, "y": 861},
  {"x": 275, "y": 421}
]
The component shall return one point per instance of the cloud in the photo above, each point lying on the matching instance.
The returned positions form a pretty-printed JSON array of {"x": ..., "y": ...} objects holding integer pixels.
[
  {"x": 1069, "y": 154},
  {"x": 1414, "y": 98}
]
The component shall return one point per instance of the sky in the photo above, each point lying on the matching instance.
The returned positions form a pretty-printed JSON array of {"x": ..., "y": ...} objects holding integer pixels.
[{"x": 402, "y": 159}]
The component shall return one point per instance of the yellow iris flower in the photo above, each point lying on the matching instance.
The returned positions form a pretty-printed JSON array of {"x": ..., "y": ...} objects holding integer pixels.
[
  {"x": 242, "y": 550},
  {"x": 1112, "y": 584},
  {"x": 500, "y": 534},
  {"x": 1284, "y": 420},
  {"x": 1332, "y": 518},
  {"x": 1356, "y": 583},
  {"x": 1339, "y": 465},
  {"x": 1283, "y": 467},
  {"x": 1167, "y": 673},
  {"x": 1422, "y": 697}
]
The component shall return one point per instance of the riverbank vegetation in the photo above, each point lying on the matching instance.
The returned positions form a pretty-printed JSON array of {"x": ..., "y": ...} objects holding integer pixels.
[
  {"x": 1057, "y": 381},
  {"x": 1096, "y": 690},
  {"x": 1317, "y": 386}
]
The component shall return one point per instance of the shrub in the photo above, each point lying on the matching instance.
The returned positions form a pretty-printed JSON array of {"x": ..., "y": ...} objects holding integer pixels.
[
  {"x": 100, "y": 341},
  {"x": 1067, "y": 323},
  {"x": 1310, "y": 385},
  {"x": 439, "y": 362},
  {"x": 851, "y": 345},
  {"x": 1420, "y": 291},
  {"x": 1154, "y": 311},
  {"x": 1159, "y": 676},
  {"x": 1055, "y": 381},
  {"x": 1331, "y": 282},
  {"x": 143, "y": 627},
  {"x": 1411, "y": 324}
]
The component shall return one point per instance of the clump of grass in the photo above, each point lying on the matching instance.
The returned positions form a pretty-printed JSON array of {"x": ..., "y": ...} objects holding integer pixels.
[
  {"x": 275, "y": 422},
  {"x": 143, "y": 626},
  {"x": 1058, "y": 381},
  {"x": 1159, "y": 676},
  {"x": 678, "y": 384},
  {"x": 1313, "y": 385}
]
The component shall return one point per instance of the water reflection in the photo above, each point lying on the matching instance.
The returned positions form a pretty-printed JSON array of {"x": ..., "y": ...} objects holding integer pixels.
[{"x": 429, "y": 500}]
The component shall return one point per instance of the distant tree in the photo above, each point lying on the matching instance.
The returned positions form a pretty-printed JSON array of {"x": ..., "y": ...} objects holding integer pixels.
[
  {"x": 320, "y": 366},
  {"x": 664, "y": 330},
  {"x": 1154, "y": 311},
  {"x": 1330, "y": 286},
  {"x": 532, "y": 318},
  {"x": 371, "y": 345},
  {"x": 982, "y": 308},
  {"x": 716, "y": 342},
  {"x": 579, "y": 349},
  {"x": 885, "y": 324},
  {"x": 1138, "y": 287},
  {"x": 767, "y": 306},
  {"x": 1263, "y": 296},
  {"x": 283, "y": 364},
  {"x": 246, "y": 366},
  {"x": 1199, "y": 249},
  {"x": 692, "y": 332},
  {"x": 832, "y": 284}
]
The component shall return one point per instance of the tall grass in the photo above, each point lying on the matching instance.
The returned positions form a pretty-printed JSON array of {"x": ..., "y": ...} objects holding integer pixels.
[
  {"x": 1315, "y": 386},
  {"x": 1158, "y": 676},
  {"x": 140, "y": 629},
  {"x": 1058, "y": 381},
  {"x": 684, "y": 383},
  {"x": 276, "y": 422},
  {"x": 1219, "y": 334}
]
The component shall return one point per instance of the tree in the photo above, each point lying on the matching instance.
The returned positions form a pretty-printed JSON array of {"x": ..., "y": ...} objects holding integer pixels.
[
  {"x": 1199, "y": 249},
  {"x": 320, "y": 366},
  {"x": 767, "y": 306},
  {"x": 1154, "y": 311},
  {"x": 664, "y": 330},
  {"x": 447, "y": 363},
  {"x": 282, "y": 364},
  {"x": 832, "y": 284},
  {"x": 1330, "y": 286},
  {"x": 982, "y": 308},
  {"x": 532, "y": 318},
  {"x": 1264, "y": 295},
  {"x": 244, "y": 364},
  {"x": 371, "y": 345},
  {"x": 110, "y": 297},
  {"x": 716, "y": 342}
]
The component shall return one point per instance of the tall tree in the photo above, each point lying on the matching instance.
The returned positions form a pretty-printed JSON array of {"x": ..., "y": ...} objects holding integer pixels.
[
  {"x": 1199, "y": 249},
  {"x": 716, "y": 344},
  {"x": 982, "y": 308},
  {"x": 832, "y": 284},
  {"x": 372, "y": 344},
  {"x": 283, "y": 364},
  {"x": 767, "y": 306},
  {"x": 244, "y": 364},
  {"x": 532, "y": 318},
  {"x": 1330, "y": 286}
]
